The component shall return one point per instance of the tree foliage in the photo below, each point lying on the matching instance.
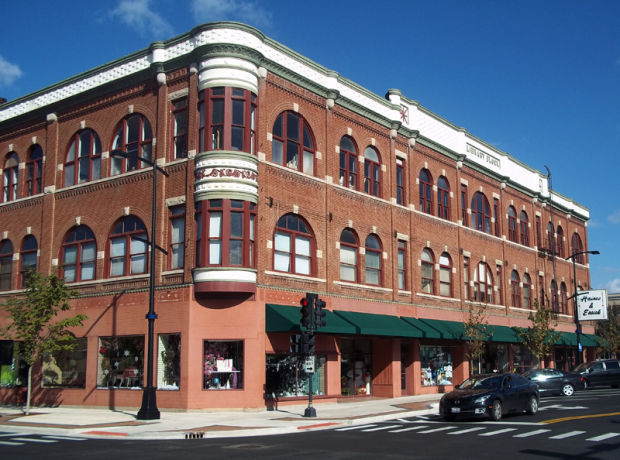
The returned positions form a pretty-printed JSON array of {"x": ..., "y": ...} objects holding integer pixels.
[
  {"x": 540, "y": 337},
  {"x": 33, "y": 323},
  {"x": 476, "y": 332},
  {"x": 609, "y": 331}
]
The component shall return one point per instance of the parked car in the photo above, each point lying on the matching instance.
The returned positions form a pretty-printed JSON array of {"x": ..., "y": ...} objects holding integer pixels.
[
  {"x": 490, "y": 395},
  {"x": 555, "y": 381},
  {"x": 600, "y": 373}
]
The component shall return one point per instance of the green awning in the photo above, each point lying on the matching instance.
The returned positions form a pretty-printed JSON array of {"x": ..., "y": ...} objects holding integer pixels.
[
  {"x": 594, "y": 339},
  {"x": 427, "y": 331},
  {"x": 384, "y": 325},
  {"x": 284, "y": 318},
  {"x": 502, "y": 334},
  {"x": 446, "y": 329}
]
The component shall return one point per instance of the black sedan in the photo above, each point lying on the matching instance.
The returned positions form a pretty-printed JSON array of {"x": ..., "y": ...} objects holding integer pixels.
[
  {"x": 555, "y": 381},
  {"x": 490, "y": 395}
]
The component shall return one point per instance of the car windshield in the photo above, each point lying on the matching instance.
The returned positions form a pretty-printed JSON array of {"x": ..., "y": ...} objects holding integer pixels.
[
  {"x": 474, "y": 383},
  {"x": 529, "y": 373},
  {"x": 582, "y": 367}
]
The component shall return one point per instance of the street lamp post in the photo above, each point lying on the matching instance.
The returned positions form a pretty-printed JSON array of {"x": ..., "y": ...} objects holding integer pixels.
[
  {"x": 149, "y": 410},
  {"x": 578, "y": 330}
]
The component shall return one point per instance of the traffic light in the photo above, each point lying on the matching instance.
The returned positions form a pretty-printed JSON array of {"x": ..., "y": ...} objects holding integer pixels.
[
  {"x": 319, "y": 314},
  {"x": 308, "y": 346},
  {"x": 307, "y": 310},
  {"x": 295, "y": 343}
]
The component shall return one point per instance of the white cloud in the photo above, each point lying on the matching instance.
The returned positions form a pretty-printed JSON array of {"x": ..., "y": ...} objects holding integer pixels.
[
  {"x": 614, "y": 218},
  {"x": 139, "y": 14},
  {"x": 8, "y": 72},
  {"x": 252, "y": 12},
  {"x": 613, "y": 286}
]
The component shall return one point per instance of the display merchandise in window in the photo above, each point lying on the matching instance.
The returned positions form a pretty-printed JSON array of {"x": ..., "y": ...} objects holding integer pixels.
[
  {"x": 286, "y": 376},
  {"x": 355, "y": 367},
  {"x": 121, "y": 362},
  {"x": 522, "y": 358},
  {"x": 169, "y": 362},
  {"x": 65, "y": 368},
  {"x": 436, "y": 365},
  {"x": 13, "y": 369},
  {"x": 223, "y": 365}
]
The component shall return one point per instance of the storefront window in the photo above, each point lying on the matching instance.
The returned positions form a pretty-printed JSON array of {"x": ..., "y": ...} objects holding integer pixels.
[
  {"x": 436, "y": 363},
  {"x": 522, "y": 358},
  {"x": 223, "y": 365},
  {"x": 121, "y": 362},
  {"x": 13, "y": 370},
  {"x": 495, "y": 358},
  {"x": 286, "y": 376},
  {"x": 65, "y": 368},
  {"x": 169, "y": 362},
  {"x": 355, "y": 367}
]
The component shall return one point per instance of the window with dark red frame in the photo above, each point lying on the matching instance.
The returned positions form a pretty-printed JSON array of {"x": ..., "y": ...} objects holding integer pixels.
[
  {"x": 527, "y": 291},
  {"x": 372, "y": 172},
  {"x": 445, "y": 275},
  {"x": 83, "y": 160},
  {"x": 348, "y": 255},
  {"x": 427, "y": 271},
  {"x": 227, "y": 233},
  {"x": 443, "y": 198},
  {"x": 293, "y": 143},
  {"x": 560, "y": 241},
  {"x": 577, "y": 247},
  {"x": 400, "y": 182},
  {"x": 179, "y": 114},
  {"x": 483, "y": 283},
  {"x": 514, "y": 289},
  {"x": 563, "y": 299},
  {"x": 402, "y": 265},
  {"x": 293, "y": 246},
  {"x": 464, "y": 205},
  {"x": 176, "y": 236},
  {"x": 6, "y": 264},
  {"x": 34, "y": 170},
  {"x": 134, "y": 137},
  {"x": 426, "y": 191},
  {"x": 227, "y": 119},
  {"x": 466, "y": 290},
  {"x": 128, "y": 254},
  {"x": 78, "y": 255},
  {"x": 10, "y": 175},
  {"x": 512, "y": 224},
  {"x": 480, "y": 213},
  {"x": 524, "y": 234},
  {"x": 348, "y": 163},
  {"x": 373, "y": 260},
  {"x": 496, "y": 215},
  {"x": 27, "y": 258}
]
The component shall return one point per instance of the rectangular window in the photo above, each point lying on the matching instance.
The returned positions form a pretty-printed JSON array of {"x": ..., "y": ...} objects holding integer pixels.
[
  {"x": 496, "y": 215},
  {"x": 120, "y": 363},
  {"x": 464, "y": 204},
  {"x": 286, "y": 376},
  {"x": 436, "y": 365},
  {"x": 466, "y": 292},
  {"x": 348, "y": 264},
  {"x": 179, "y": 128},
  {"x": 538, "y": 236},
  {"x": 65, "y": 368},
  {"x": 176, "y": 252},
  {"x": 169, "y": 362},
  {"x": 400, "y": 182},
  {"x": 500, "y": 283},
  {"x": 13, "y": 370},
  {"x": 402, "y": 264},
  {"x": 223, "y": 365}
]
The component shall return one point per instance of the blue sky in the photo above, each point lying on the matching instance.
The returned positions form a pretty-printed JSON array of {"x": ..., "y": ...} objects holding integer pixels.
[{"x": 537, "y": 79}]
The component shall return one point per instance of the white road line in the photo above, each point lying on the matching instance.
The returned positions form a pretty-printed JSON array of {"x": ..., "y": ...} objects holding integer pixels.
[
  {"x": 569, "y": 434},
  {"x": 64, "y": 438},
  {"x": 530, "y": 433},
  {"x": 43, "y": 441},
  {"x": 443, "y": 428},
  {"x": 419, "y": 427},
  {"x": 493, "y": 433},
  {"x": 358, "y": 427},
  {"x": 9, "y": 443},
  {"x": 603, "y": 437},
  {"x": 379, "y": 428},
  {"x": 468, "y": 430}
]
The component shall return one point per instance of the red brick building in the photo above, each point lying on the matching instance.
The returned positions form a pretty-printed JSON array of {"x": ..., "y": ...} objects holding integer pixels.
[{"x": 283, "y": 178}]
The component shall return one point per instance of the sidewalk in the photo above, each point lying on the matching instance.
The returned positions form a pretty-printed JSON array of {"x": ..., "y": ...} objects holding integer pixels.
[{"x": 122, "y": 424}]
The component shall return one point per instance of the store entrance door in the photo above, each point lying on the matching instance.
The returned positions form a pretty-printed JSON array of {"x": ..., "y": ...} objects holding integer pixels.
[
  {"x": 355, "y": 367},
  {"x": 406, "y": 369}
]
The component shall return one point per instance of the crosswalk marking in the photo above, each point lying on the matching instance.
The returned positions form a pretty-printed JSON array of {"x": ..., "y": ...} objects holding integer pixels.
[
  {"x": 493, "y": 433},
  {"x": 45, "y": 441},
  {"x": 570, "y": 434},
  {"x": 357, "y": 427},
  {"x": 468, "y": 430},
  {"x": 603, "y": 437},
  {"x": 379, "y": 428},
  {"x": 530, "y": 433},
  {"x": 9, "y": 443},
  {"x": 433, "y": 430},
  {"x": 419, "y": 427}
]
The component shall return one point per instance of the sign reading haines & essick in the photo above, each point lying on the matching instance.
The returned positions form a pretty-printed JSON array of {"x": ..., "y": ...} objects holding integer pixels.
[{"x": 592, "y": 305}]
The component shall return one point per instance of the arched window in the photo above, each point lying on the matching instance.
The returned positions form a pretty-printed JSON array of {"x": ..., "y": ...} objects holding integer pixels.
[
  {"x": 293, "y": 143},
  {"x": 348, "y": 163},
  {"x": 427, "y": 270},
  {"x": 34, "y": 169},
  {"x": 480, "y": 213},
  {"x": 560, "y": 241},
  {"x": 83, "y": 160},
  {"x": 512, "y": 224},
  {"x": 78, "y": 255},
  {"x": 293, "y": 247},
  {"x": 563, "y": 299},
  {"x": 577, "y": 247},
  {"x": 527, "y": 291},
  {"x": 445, "y": 275},
  {"x": 372, "y": 172},
  {"x": 483, "y": 284},
  {"x": 426, "y": 191},
  {"x": 9, "y": 174},
  {"x": 551, "y": 238},
  {"x": 127, "y": 255},
  {"x": 514, "y": 289},
  {"x": 28, "y": 259},
  {"x": 373, "y": 260},
  {"x": 525, "y": 234},
  {"x": 6, "y": 264},
  {"x": 135, "y": 138},
  {"x": 348, "y": 255},
  {"x": 555, "y": 305},
  {"x": 443, "y": 198}
]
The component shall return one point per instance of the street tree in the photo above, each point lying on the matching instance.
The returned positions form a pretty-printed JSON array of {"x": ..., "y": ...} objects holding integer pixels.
[
  {"x": 34, "y": 322},
  {"x": 476, "y": 333},
  {"x": 609, "y": 332},
  {"x": 540, "y": 337}
]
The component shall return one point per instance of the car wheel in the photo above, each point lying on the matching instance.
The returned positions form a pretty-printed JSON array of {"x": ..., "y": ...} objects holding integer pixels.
[
  {"x": 532, "y": 405},
  {"x": 567, "y": 389},
  {"x": 496, "y": 410}
]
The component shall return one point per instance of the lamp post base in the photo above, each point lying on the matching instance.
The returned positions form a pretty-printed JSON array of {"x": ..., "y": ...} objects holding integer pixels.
[
  {"x": 310, "y": 412},
  {"x": 149, "y": 410}
]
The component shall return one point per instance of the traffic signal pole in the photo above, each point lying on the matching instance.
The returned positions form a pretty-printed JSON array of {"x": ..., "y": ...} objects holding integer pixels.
[{"x": 308, "y": 319}]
